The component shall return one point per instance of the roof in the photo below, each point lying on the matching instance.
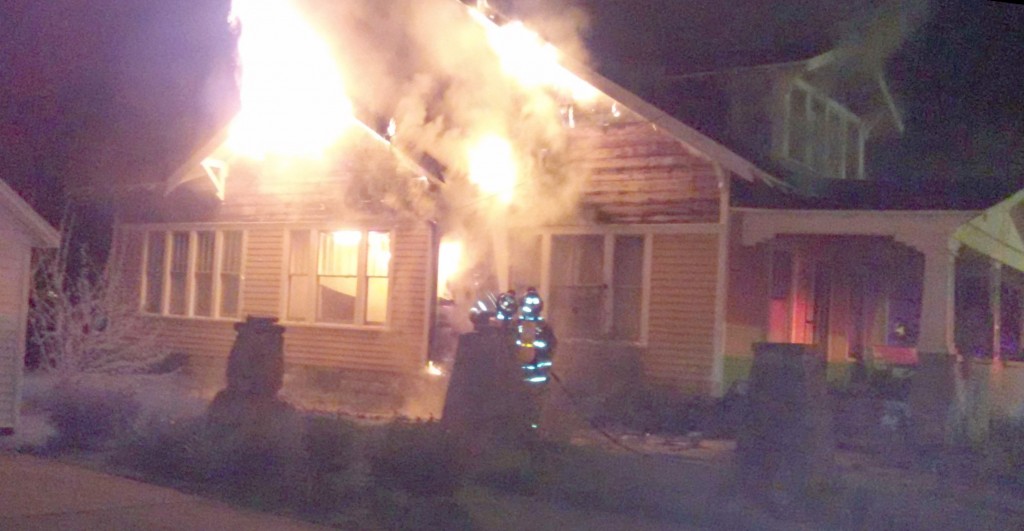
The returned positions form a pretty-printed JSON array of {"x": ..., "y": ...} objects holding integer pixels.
[
  {"x": 839, "y": 194},
  {"x": 39, "y": 230},
  {"x": 998, "y": 232}
]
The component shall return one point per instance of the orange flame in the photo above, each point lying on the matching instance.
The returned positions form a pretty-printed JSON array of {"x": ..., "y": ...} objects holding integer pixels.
[
  {"x": 531, "y": 60},
  {"x": 293, "y": 100},
  {"x": 449, "y": 264},
  {"x": 492, "y": 167}
]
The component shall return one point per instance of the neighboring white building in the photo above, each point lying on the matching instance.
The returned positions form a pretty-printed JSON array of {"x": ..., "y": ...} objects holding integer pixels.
[{"x": 21, "y": 230}]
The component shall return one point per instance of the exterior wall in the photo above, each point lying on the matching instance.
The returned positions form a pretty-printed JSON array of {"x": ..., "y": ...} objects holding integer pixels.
[
  {"x": 642, "y": 181},
  {"x": 15, "y": 258},
  {"x": 636, "y": 173},
  {"x": 746, "y": 307},
  {"x": 375, "y": 353},
  {"x": 361, "y": 368},
  {"x": 680, "y": 351}
]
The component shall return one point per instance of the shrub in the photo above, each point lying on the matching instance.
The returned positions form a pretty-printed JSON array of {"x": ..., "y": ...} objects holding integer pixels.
[
  {"x": 1006, "y": 450},
  {"x": 660, "y": 411},
  {"x": 90, "y": 418},
  {"x": 331, "y": 456},
  {"x": 418, "y": 458}
]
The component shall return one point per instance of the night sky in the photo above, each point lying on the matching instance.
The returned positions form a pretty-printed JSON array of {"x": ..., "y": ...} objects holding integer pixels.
[{"x": 107, "y": 91}]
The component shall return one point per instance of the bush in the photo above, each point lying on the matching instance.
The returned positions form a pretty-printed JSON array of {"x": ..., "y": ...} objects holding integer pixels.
[
  {"x": 418, "y": 458},
  {"x": 661, "y": 411},
  {"x": 90, "y": 418},
  {"x": 1006, "y": 450}
]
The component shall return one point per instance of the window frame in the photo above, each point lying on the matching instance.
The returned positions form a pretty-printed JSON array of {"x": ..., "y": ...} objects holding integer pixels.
[
  {"x": 312, "y": 280},
  {"x": 191, "y": 250},
  {"x": 607, "y": 271},
  {"x": 821, "y": 139}
]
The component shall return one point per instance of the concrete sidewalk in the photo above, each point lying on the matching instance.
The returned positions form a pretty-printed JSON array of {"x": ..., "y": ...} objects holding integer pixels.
[{"x": 42, "y": 494}]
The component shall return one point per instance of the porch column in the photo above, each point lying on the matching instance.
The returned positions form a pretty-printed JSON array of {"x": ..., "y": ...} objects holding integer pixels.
[
  {"x": 937, "y": 299},
  {"x": 995, "y": 304},
  {"x": 933, "y": 388}
]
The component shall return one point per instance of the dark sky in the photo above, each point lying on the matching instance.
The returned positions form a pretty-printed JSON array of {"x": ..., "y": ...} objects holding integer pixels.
[{"x": 100, "y": 90}]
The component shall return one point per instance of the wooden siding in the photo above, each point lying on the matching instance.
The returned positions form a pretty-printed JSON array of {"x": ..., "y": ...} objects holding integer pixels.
[
  {"x": 396, "y": 348},
  {"x": 267, "y": 202},
  {"x": 637, "y": 173},
  {"x": 682, "y": 312},
  {"x": 14, "y": 278}
]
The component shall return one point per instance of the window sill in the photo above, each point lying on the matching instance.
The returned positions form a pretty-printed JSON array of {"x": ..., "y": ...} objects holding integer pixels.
[
  {"x": 604, "y": 342},
  {"x": 192, "y": 317},
  {"x": 337, "y": 326}
]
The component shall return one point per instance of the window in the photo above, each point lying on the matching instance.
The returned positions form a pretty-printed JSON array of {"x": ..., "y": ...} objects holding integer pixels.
[
  {"x": 193, "y": 273},
  {"x": 597, "y": 285},
  {"x": 821, "y": 134},
  {"x": 340, "y": 276}
]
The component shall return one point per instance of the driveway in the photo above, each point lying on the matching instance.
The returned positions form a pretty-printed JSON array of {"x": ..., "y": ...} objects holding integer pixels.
[{"x": 42, "y": 494}]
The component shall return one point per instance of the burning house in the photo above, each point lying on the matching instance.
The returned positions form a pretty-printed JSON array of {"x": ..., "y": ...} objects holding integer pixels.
[
  {"x": 376, "y": 165},
  {"x": 500, "y": 168}
]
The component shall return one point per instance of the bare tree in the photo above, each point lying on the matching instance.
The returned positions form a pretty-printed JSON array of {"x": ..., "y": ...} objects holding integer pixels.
[{"x": 82, "y": 320}]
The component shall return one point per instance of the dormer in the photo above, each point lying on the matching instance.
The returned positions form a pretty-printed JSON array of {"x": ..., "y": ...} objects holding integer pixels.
[{"x": 819, "y": 135}]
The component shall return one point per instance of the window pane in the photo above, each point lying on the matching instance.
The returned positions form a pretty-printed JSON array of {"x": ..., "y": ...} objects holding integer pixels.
[
  {"x": 836, "y": 139},
  {"x": 377, "y": 300},
  {"x": 179, "y": 272},
  {"x": 230, "y": 289},
  {"x": 300, "y": 267},
  {"x": 818, "y": 136},
  {"x": 203, "y": 284},
  {"x": 337, "y": 299},
  {"x": 853, "y": 152},
  {"x": 232, "y": 259},
  {"x": 300, "y": 302},
  {"x": 339, "y": 253},
  {"x": 299, "y": 255},
  {"x": 626, "y": 313},
  {"x": 154, "y": 272},
  {"x": 231, "y": 273},
  {"x": 579, "y": 260},
  {"x": 378, "y": 247},
  {"x": 797, "y": 125},
  {"x": 627, "y": 277},
  {"x": 629, "y": 261}
]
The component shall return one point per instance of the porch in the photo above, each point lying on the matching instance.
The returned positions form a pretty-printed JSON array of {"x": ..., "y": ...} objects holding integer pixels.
[{"x": 871, "y": 287}]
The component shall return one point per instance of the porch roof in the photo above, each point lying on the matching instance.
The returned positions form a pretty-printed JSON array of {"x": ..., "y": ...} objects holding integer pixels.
[
  {"x": 998, "y": 232},
  {"x": 925, "y": 230}
]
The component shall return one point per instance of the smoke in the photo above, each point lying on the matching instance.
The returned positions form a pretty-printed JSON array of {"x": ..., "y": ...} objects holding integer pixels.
[
  {"x": 874, "y": 37},
  {"x": 430, "y": 66}
]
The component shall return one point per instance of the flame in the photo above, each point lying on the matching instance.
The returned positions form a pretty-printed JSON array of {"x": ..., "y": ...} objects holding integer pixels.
[
  {"x": 434, "y": 370},
  {"x": 531, "y": 60},
  {"x": 492, "y": 167},
  {"x": 347, "y": 238},
  {"x": 449, "y": 264},
  {"x": 293, "y": 100}
]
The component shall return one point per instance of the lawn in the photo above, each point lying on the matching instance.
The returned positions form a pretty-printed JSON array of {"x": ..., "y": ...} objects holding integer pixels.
[{"x": 351, "y": 473}]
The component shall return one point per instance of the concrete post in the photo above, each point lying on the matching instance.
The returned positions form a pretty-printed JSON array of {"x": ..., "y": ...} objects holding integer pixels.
[
  {"x": 933, "y": 390},
  {"x": 937, "y": 300},
  {"x": 995, "y": 302}
]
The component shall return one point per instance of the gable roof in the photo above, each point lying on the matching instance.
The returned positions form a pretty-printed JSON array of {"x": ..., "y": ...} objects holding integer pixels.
[{"x": 39, "y": 230}]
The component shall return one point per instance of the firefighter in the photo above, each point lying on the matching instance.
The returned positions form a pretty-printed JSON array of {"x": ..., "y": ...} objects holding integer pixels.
[
  {"x": 535, "y": 340},
  {"x": 506, "y": 308}
]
